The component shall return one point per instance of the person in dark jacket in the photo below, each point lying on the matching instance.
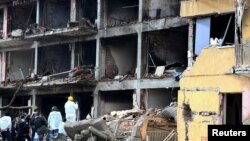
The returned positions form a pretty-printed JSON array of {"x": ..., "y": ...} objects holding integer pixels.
[
  {"x": 23, "y": 128},
  {"x": 13, "y": 129},
  {"x": 32, "y": 124},
  {"x": 41, "y": 126}
]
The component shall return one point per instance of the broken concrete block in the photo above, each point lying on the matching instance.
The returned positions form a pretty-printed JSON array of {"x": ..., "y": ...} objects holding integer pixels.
[
  {"x": 73, "y": 128},
  {"x": 159, "y": 71}
]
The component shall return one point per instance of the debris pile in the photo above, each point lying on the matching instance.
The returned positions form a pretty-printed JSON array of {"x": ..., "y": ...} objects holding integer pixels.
[{"x": 126, "y": 125}]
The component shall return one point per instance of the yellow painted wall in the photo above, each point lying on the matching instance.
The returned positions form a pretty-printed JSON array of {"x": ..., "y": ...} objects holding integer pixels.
[
  {"x": 194, "y": 8},
  {"x": 201, "y": 87},
  {"x": 199, "y": 101},
  {"x": 246, "y": 25},
  {"x": 213, "y": 70},
  {"x": 207, "y": 61}
]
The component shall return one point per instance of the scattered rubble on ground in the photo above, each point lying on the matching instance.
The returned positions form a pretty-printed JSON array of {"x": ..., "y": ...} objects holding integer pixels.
[{"x": 128, "y": 125}]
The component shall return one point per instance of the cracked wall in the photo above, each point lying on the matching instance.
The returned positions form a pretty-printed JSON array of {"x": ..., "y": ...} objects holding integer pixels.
[
  {"x": 191, "y": 125},
  {"x": 203, "y": 86}
]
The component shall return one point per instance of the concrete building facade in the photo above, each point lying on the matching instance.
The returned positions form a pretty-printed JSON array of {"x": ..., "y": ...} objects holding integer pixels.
[{"x": 106, "y": 53}]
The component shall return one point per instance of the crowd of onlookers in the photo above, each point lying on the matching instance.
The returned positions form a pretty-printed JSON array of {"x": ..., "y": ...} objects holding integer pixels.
[
  {"x": 32, "y": 127},
  {"x": 36, "y": 127}
]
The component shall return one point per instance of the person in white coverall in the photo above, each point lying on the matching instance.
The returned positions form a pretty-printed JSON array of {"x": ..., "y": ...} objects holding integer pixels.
[
  {"x": 71, "y": 109},
  {"x": 5, "y": 127},
  {"x": 54, "y": 121}
]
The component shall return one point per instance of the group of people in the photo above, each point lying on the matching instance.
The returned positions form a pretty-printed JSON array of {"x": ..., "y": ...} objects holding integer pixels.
[{"x": 18, "y": 129}]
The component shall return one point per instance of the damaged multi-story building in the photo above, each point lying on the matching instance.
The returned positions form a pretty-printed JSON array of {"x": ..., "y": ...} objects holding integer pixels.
[
  {"x": 110, "y": 55},
  {"x": 215, "y": 87}
]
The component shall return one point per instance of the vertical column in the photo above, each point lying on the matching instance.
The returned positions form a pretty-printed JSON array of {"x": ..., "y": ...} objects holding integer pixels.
[
  {"x": 73, "y": 11},
  {"x": 139, "y": 66},
  {"x": 105, "y": 13},
  {"x": 72, "y": 19},
  {"x": 3, "y": 66},
  {"x": 72, "y": 62},
  {"x": 98, "y": 58},
  {"x": 38, "y": 12},
  {"x": 30, "y": 104},
  {"x": 139, "y": 56},
  {"x": 96, "y": 102},
  {"x": 5, "y": 22},
  {"x": 36, "y": 58},
  {"x": 33, "y": 101},
  {"x": 101, "y": 15},
  {"x": 141, "y": 10},
  {"x": 190, "y": 43},
  {"x": 138, "y": 96}
]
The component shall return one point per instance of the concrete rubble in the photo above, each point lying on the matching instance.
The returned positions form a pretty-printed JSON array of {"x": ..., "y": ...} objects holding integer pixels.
[{"x": 124, "y": 125}]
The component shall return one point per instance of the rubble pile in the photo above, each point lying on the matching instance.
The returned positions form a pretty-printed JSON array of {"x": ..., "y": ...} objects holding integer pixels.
[{"x": 129, "y": 125}]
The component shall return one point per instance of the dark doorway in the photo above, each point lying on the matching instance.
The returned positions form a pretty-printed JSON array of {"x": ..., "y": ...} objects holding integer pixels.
[{"x": 234, "y": 109}]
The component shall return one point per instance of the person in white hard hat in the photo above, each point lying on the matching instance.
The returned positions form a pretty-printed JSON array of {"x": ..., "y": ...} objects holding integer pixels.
[{"x": 71, "y": 109}]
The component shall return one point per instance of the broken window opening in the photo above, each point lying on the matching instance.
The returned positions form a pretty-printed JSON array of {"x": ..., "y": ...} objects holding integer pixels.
[
  {"x": 120, "y": 58},
  {"x": 233, "y": 109},
  {"x": 20, "y": 65},
  {"x": 121, "y": 12},
  {"x": 54, "y": 60},
  {"x": 54, "y": 13},
  {"x": 223, "y": 28},
  {"x": 167, "y": 52},
  {"x": 115, "y": 101},
  {"x": 160, "y": 98},
  {"x": 161, "y": 8},
  {"x": 86, "y": 9},
  {"x": 85, "y": 56},
  {"x": 216, "y": 30},
  {"x": 19, "y": 20}
]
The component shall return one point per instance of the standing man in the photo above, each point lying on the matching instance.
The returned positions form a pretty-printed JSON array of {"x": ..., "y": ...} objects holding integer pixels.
[
  {"x": 71, "y": 109},
  {"x": 41, "y": 126},
  {"x": 32, "y": 123},
  {"x": 54, "y": 121},
  {"x": 5, "y": 127},
  {"x": 23, "y": 128}
]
